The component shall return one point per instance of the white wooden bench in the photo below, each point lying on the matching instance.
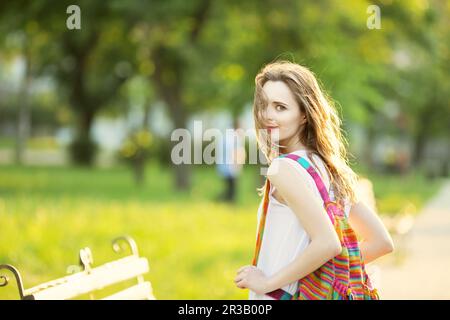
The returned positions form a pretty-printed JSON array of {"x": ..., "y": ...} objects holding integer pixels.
[{"x": 86, "y": 280}]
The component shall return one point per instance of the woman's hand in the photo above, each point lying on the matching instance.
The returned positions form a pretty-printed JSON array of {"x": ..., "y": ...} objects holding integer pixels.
[{"x": 250, "y": 277}]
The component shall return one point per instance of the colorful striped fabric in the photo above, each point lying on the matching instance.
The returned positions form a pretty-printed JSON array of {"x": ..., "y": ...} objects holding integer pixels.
[{"x": 343, "y": 277}]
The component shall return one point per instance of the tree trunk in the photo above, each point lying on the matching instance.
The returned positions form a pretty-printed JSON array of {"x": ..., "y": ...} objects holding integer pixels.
[
  {"x": 86, "y": 120},
  {"x": 369, "y": 145},
  {"x": 167, "y": 62},
  {"x": 146, "y": 116},
  {"x": 422, "y": 135},
  {"x": 139, "y": 171},
  {"x": 168, "y": 75},
  {"x": 83, "y": 148},
  {"x": 182, "y": 171},
  {"x": 24, "y": 114},
  {"x": 139, "y": 163},
  {"x": 419, "y": 149}
]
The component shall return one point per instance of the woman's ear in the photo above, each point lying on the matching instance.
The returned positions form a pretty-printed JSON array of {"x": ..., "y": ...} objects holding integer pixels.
[{"x": 303, "y": 121}]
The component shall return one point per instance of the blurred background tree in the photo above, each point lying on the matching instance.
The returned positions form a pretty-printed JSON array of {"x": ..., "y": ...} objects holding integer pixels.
[{"x": 201, "y": 57}]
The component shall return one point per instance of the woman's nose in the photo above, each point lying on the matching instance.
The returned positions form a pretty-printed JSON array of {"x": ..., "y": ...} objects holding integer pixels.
[{"x": 269, "y": 114}]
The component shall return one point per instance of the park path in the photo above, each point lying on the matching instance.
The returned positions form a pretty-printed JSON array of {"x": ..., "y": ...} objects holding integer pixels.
[{"x": 420, "y": 266}]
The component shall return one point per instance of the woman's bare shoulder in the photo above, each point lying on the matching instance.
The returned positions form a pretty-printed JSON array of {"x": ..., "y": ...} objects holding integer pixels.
[{"x": 283, "y": 171}]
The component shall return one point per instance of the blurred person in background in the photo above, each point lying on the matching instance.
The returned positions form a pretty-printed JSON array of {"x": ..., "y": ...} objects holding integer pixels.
[{"x": 231, "y": 157}]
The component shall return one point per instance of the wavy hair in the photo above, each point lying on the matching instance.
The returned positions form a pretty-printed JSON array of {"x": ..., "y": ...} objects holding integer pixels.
[{"x": 321, "y": 134}]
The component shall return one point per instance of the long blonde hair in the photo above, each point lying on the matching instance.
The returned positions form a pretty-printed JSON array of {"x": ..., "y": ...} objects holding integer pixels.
[{"x": 321, "y": 133}]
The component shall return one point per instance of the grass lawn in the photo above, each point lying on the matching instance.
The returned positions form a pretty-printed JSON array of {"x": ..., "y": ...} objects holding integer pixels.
[{"x": 194, "y": 245}]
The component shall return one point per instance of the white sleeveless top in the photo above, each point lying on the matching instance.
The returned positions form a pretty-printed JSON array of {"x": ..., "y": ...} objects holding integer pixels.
[{"x": 284, "y": 237}]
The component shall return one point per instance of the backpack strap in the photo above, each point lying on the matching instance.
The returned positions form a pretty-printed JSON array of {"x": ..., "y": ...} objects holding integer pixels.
[
  {"x": 317, "y": 180},
  {"x": 262, "y": 222}
]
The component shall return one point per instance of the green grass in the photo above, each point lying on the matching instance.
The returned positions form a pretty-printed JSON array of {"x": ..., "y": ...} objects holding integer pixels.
[
  {"x": 7, "y": 143},
  {"x": 194, "y": 245}
]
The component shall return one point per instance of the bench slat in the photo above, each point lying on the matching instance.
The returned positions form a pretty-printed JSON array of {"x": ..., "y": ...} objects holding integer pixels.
[
  {"x": 141, "y": 291},
  {"x": 83, "y": 282}
]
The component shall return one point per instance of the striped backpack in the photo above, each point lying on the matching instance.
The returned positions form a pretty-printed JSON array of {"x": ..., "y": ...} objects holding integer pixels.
[{"x": 341, "y": 278}]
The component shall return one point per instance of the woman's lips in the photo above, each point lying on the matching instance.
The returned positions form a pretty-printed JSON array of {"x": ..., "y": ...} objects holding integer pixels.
[{"x": 271, "y": 128}]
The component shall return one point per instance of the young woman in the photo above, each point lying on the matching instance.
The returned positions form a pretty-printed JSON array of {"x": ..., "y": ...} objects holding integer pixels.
[{"x": 293, "y": 115}]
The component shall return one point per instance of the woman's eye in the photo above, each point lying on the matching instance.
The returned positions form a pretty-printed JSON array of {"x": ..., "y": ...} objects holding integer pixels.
[{"x": 280, "y": 108}]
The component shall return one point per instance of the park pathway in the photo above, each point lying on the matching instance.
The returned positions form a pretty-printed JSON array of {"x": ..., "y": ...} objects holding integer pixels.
[{"x": 420, "y": 266}]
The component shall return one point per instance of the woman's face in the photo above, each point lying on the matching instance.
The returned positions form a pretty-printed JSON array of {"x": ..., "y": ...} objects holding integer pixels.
[{"x": 282, "y": 115}]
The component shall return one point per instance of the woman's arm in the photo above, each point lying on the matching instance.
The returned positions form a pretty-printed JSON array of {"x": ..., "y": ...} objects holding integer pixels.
[
  {"x": 324, "y": 245},
  {"x": 376, "y": 240}
]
